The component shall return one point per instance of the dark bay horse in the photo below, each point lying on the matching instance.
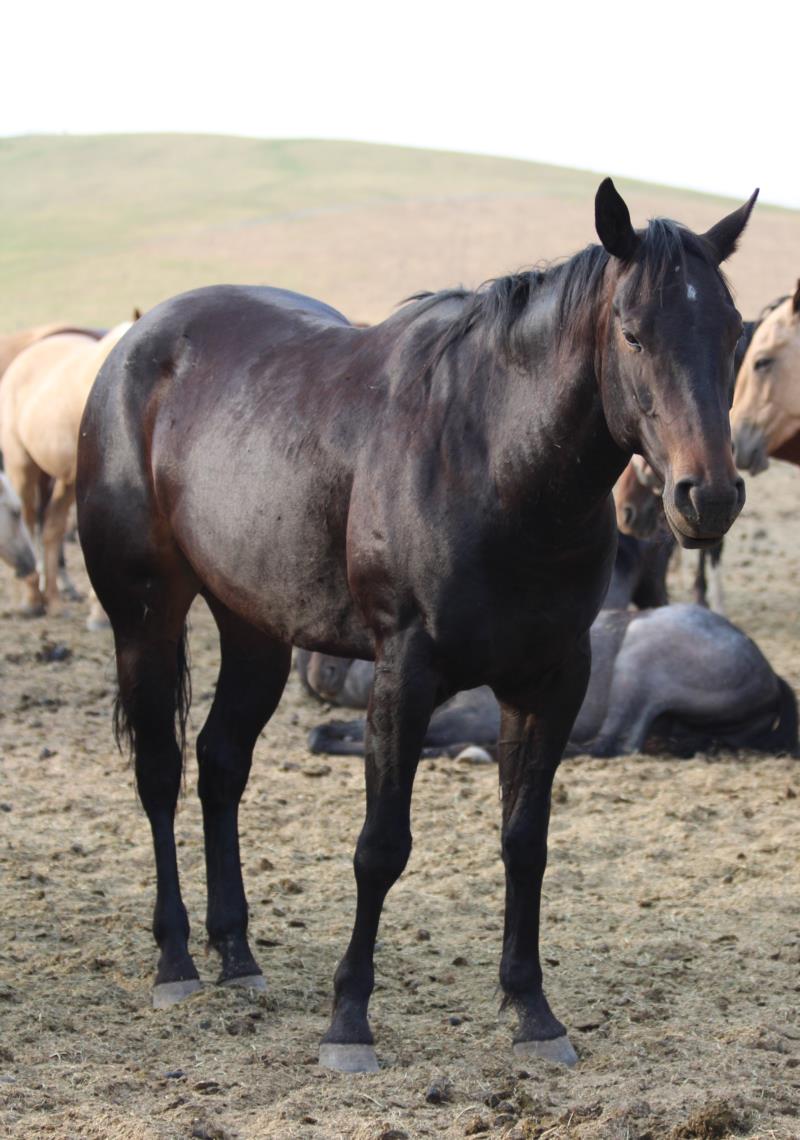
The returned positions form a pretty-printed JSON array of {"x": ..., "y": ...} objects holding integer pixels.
[{"x": 433, "y": 493}]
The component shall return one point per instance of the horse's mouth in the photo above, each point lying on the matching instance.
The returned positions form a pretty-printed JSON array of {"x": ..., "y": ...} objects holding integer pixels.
[{"x": 693, "y": 541}]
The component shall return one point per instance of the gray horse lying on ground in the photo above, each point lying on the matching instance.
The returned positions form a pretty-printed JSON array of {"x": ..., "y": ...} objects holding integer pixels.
[{"x": 676, "y": 679}]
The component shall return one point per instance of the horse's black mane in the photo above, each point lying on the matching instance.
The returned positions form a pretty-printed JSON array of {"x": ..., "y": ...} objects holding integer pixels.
[{"x": 497, "y": 306}]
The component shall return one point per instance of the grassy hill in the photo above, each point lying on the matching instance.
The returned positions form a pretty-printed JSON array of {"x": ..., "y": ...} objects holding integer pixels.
[{"x": 91, "y": 226}]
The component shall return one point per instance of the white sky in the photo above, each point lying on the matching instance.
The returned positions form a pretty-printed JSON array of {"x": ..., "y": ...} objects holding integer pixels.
[{"x": 697, "y": 94}]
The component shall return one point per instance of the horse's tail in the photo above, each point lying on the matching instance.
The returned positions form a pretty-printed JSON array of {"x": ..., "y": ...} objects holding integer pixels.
[
  {"x": 181, "y": 697},
  {"x": 781, "y": 735}
]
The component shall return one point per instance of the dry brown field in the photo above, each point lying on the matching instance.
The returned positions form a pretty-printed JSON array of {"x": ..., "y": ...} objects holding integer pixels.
[{"x": 671, "y": 927}]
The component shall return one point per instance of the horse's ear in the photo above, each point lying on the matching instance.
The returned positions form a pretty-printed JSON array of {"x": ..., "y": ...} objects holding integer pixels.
[
  {"x": 724, "y": 236},
  {"x": 137, "y": 312},
  {"x": 796, "y": 299},
  {"x": 613, "y": 222}
]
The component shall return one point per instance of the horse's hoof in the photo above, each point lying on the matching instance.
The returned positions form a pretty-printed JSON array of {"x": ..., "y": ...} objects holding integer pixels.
[
  {"x": 247, "y": 982},
  {"x": 348, "y": 1058},
  {"x": 558, "y": 1050},
  {"x": 166, "y": 994},
  {"x": 32, "y": 611}
]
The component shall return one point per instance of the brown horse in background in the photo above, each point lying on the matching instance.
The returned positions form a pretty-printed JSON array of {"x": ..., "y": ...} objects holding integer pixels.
[
  {"x": 765, "y": 417},
  {"x": 42, "y": 398},
  {"x": 432, "y": 493}
]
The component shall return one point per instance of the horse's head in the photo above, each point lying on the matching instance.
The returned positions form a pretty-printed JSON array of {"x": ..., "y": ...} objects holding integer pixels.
[
  {"x": 16, "y": 547},
  {"x": 766, "y": 406},
  {"x": 666, "y": 360},
  {"x": 637, "y": 499}
]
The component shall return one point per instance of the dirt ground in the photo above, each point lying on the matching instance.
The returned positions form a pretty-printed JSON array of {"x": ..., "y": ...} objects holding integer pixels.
[
  {"x": 671, "y": 923},
  {"x": 671, "y": 926}
]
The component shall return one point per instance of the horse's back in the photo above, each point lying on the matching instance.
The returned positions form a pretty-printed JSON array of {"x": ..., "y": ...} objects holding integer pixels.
[{"x": 32, "y": 393}]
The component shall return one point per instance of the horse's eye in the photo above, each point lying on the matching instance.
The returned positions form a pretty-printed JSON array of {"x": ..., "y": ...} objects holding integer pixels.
[
  {"x": 631, "y": 340},
  {"x": 764, "y": 363}
]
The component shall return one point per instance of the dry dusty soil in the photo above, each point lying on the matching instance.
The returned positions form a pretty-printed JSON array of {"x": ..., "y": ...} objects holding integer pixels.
[
  {"x": 671, "y": 929},
  {"x": 671, "y": 923}
]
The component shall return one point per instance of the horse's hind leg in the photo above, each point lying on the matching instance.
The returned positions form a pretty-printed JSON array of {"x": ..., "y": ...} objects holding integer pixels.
[
  {"x": 252, "y": 677},
  {"x": 147, "y": 598}
]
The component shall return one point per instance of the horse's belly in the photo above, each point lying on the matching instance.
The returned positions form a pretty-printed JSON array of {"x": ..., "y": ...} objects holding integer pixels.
[{"x": 274, "y": 554}]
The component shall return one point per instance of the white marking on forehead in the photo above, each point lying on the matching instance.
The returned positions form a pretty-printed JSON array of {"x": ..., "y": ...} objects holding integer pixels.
[{"x": 691, "y": 292}]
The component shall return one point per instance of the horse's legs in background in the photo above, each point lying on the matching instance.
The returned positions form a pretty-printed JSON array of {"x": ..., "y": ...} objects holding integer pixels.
[
  {"x": 403, "y": 698},
  {"x": 701, "y": 590},
  {"x": 26, "y": 479},
  {"x": 534, "y": 731},
  {"x": 66, "y": 586},
  {"x": 252, "y": 677},
  {"x": 54, "y": 526},
  {"x": 700, "y": 584},
  {"x": 716, "y": 590}
]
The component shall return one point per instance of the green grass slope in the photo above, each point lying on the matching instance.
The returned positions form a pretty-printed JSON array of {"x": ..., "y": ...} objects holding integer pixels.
[{"x": 91, "y": 226}]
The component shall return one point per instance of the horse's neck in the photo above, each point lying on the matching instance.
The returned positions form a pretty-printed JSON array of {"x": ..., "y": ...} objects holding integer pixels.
[{"x": 553, "y": 433}]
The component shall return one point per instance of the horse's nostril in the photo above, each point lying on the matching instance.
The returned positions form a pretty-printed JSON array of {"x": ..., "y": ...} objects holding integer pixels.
[
  {"x": 740, "y": 492},
  {"x": 628, "y": 515},
  {"x": 685, "y": 490}
]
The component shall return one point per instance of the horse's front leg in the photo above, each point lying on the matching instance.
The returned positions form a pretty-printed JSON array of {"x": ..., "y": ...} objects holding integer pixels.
[
  {"x": 534, "y": 730},
  {"x": 403, "y": 698}
]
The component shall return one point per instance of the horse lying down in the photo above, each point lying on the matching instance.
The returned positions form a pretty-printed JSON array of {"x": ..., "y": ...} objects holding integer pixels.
[{"x": 678, "y": 679}]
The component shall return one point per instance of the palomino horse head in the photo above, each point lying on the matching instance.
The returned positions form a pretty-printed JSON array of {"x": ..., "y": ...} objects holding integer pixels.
[
  {"x": 766, "y": 408},
  {"x": 666, "y": 360}
]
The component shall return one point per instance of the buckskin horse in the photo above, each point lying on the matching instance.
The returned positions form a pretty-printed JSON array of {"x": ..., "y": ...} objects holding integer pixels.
[
  {"x": 433, "y": 493},
  {"x": 766, "y": 409}
]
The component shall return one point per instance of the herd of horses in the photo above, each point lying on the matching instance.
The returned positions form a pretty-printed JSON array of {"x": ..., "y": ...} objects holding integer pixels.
[{"x": 423, "y": 508}]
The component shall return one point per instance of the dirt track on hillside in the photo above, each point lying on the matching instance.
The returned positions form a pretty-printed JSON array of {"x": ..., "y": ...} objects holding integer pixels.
[{"x": 671, "y": 930}]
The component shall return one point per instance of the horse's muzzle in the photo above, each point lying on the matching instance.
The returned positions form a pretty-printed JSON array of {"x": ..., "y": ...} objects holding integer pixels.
[
  {"x": 750, "y": 448},
  {"x": 700, "y": 513},
  {"x": 24, "y": 564}
]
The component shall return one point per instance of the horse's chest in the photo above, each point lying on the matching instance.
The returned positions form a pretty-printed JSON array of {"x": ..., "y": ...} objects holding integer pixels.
[{"x": 515, "y": 610}]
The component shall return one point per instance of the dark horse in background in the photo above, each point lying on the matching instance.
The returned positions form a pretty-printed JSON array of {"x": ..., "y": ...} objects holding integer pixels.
[{"x": 432, "y": 493}]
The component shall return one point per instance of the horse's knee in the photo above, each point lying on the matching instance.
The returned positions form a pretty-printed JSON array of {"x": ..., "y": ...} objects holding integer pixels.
[{"x": 381, "y": 858}]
